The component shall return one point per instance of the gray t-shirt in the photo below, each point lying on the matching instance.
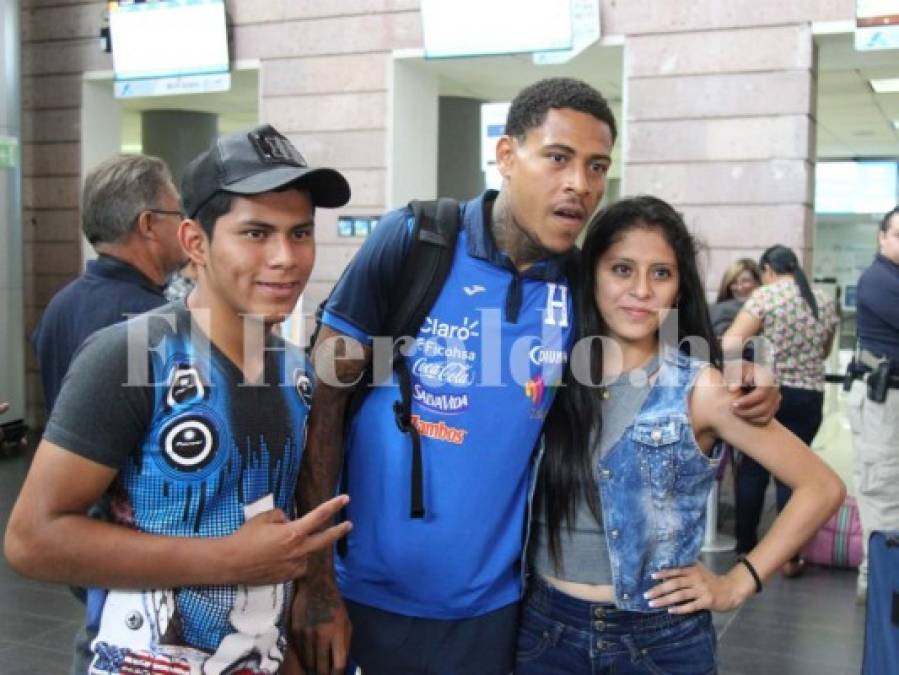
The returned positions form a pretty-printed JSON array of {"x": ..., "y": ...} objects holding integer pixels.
[
  {"x": 101, "y": 416},
  {"x": 196, "y": 455},
  {"x": 723, "y": 314},
  {"x": 584, "y": 555},
  {"x": 96, "y": 415}
]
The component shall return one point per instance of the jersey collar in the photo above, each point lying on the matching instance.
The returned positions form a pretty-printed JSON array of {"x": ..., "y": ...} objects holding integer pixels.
[{"x": 109, "y": 267}]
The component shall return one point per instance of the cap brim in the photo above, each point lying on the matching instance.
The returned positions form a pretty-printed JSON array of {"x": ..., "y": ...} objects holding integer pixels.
[{"x": 327, "y": 187}]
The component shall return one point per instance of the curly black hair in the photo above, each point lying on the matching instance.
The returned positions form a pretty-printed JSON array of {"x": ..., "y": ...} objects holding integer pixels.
[{"x": 530, "y": 106}]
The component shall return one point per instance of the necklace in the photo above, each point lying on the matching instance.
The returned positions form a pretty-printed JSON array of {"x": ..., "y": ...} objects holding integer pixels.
[{"x": 638, "y": 378}]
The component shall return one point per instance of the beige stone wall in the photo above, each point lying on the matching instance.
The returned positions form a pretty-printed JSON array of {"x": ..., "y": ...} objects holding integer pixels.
[
  {"x": 719, "y": 114},
  {"x": 58, "y": 44},
  {"x": 323, "y": 81}
]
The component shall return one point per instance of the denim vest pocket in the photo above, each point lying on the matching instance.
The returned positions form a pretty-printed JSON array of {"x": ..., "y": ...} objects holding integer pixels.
[{"x": 657, "y": 441}]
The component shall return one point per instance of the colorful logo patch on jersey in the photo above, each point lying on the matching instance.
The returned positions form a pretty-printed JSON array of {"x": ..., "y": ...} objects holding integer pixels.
[
  {"x": 112, "y": 659},
  {"x": 534, "y": 389},
  {"x": 439, "y": 431}
]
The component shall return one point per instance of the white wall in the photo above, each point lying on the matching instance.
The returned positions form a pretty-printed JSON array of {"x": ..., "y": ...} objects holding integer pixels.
[
  {"x": 844, "y": 248},
  {"x": 101, "y": 131},
  {"x": 414, "y": 133}
]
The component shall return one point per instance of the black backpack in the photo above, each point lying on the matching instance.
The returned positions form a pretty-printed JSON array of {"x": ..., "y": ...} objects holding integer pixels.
[{"x": 427, "y": 265}]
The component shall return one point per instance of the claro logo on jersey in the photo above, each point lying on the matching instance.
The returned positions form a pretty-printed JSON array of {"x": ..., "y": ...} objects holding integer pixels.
[
  {"x": 437, "y": 328},
  {"x": 439, "y": 431},
  {"x": 452, "y": 347},
  {"x": 443, "y": 403}
]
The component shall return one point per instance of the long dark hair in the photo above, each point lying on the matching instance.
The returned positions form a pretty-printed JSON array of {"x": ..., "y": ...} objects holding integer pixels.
[
  {"x": 782, "y": 260},
  {"x": 575, "y": 418}
]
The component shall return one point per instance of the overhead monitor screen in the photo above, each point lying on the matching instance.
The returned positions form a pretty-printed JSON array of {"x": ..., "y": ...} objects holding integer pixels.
[
  {"x": 856, "y": 187},
  {"x": 475, "y": 27},
  {"x": 168, "y": 38}
]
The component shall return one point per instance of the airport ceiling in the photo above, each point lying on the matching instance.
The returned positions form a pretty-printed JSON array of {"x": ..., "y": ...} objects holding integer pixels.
[{"x": 852, "y": 120}]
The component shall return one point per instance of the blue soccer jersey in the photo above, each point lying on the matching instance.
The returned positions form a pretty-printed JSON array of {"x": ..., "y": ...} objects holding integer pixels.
[{"x": 486, "y": 361}]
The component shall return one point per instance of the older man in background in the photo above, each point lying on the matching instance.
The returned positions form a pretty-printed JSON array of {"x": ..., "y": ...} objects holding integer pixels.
[{"x": 130, "y": 213}]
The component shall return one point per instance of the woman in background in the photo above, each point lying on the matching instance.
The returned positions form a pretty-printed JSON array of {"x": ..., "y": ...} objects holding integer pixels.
[
  {"x": 798, "y": 325},
  {"x": 737, "y": 284}
]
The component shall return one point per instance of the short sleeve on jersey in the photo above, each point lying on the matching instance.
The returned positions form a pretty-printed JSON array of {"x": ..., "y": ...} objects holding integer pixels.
[
  {"x": 360, "y": 301},
  {"x": 98, "y": 415}
]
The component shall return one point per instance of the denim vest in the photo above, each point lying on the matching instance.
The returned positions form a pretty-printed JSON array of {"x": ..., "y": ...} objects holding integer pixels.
[{"x": 653, "y": 484}]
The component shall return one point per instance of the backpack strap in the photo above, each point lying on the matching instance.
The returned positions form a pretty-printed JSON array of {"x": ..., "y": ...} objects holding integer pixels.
[{"x": 428, "y": 264}]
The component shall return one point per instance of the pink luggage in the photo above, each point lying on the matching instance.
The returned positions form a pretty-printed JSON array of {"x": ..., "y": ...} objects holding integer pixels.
[{"x": 839, "y": 542}]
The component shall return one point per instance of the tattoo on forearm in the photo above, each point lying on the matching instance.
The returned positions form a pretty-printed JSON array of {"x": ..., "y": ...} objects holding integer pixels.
[
  {"x": 323, "y": 456},
  {"x": 320, "y": 609}
]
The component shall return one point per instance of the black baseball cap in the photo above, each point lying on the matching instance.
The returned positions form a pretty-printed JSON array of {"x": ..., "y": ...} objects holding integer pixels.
[{"x": 253, "y": 162}]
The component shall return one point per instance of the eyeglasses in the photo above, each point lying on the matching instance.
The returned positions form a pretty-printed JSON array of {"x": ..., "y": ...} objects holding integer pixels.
[{"x": 165, "y": 212}]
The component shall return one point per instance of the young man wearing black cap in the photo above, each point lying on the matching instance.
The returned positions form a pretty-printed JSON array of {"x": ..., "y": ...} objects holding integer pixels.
[{"x": 192, "y": 419}]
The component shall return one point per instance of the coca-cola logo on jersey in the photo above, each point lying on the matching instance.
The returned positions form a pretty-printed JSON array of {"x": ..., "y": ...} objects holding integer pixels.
[{"x": 454, "y": 373}]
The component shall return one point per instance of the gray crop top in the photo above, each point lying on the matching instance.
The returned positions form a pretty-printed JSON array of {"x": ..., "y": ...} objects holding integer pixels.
[{"x": 585, "y": 558}]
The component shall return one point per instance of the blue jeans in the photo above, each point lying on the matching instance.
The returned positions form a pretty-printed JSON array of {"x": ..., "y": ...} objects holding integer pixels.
[
  {"x": 385, "y": 643},
  {"x": 561, "y": 635}
]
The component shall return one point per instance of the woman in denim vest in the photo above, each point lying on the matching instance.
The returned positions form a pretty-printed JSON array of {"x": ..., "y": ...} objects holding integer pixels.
[{"x": 616, "y": 585}]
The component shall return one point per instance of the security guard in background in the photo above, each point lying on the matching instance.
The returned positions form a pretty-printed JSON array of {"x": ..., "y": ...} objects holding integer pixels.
[{"x": 873, "y": 381}]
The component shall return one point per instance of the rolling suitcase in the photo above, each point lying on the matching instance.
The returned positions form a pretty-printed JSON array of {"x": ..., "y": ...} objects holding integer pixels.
[{"x": 882, "y": 616}]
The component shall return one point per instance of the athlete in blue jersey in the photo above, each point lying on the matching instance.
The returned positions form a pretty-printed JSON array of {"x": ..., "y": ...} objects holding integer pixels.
[
  {"x": 463, "y": 387},
  {"x": 435, "y": 589},
  {"x": 192, "y": 418}
]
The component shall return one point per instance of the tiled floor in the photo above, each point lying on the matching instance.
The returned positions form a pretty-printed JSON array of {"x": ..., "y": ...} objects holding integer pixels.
[
  {"x": 37, "y": 621},
  {"x": 804, "y": 626}
]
